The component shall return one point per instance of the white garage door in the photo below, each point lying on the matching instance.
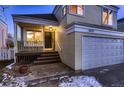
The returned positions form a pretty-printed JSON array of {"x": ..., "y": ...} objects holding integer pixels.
[{"x": 98, "y": 52}]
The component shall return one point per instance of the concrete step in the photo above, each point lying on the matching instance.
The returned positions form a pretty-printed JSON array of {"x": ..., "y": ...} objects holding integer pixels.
[{"x": 48, "y": 57}]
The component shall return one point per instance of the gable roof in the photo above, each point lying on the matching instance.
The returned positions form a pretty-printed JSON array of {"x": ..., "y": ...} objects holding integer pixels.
[{"x": 40, "y": 16}]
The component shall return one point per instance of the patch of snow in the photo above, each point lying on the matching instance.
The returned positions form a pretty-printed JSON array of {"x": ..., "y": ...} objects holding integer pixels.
[
  {"x": 79, "y": 81},
  {"x": 103, "y": 71},
  {"x": 1, "y": 84},
  {"x": 10, "y": 81},
  {"x": 34, "y": 83},
  {"x": 10, "y": 66},
  {"x": 42, "y": 81}
]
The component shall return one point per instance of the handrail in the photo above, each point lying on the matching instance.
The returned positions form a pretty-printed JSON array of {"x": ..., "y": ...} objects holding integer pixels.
[{"x": 59, "y": 46}]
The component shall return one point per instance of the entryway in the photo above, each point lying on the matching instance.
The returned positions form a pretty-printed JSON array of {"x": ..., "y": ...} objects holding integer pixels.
[{"x": 49, "y": 40}]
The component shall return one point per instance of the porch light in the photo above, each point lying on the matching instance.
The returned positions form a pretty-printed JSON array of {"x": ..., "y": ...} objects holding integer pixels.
[{"x": 50, "y": 28}]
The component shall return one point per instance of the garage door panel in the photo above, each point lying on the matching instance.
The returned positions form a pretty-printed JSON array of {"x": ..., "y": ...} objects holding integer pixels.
[{"x": 97, "y": 52}]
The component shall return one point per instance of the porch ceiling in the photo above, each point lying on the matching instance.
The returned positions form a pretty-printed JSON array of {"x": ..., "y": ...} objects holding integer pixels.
[{"x": 30, "y": 26}]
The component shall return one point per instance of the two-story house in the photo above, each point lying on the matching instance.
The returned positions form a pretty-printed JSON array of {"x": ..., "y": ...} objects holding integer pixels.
[
  {"x": 84, "y": 36},
  {"x": 3, "y": 29}
]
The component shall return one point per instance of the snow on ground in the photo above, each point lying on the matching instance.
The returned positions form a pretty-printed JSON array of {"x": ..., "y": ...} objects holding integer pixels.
[
  {"x": 10, "y": 81},
  {"x": 65, "y": 81},
  {"x": 79, "y": 81},
  {"x": 10, "y": 66}
]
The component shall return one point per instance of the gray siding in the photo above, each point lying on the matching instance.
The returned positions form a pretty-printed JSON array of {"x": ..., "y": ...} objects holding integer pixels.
[
  {"x": 58, "y": 13},
  {"x": 92, "y": 15}
]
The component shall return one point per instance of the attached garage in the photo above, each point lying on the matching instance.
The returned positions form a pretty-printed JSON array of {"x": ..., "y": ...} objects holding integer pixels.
[{"x": 99, "y": 51}]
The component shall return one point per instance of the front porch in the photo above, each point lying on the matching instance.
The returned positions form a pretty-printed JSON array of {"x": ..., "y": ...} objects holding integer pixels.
[
  {"x": 35, "y": 38},
  {"x": 35, "y": 35},
  {"x": 35, "y": 32}
]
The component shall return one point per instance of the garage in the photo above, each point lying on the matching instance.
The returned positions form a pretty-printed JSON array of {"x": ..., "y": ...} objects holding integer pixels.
[{"x": 99, "y": 52}]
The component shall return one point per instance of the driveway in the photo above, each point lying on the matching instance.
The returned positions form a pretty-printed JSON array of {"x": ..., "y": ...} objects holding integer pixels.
[{"x": 109, "y": 76}]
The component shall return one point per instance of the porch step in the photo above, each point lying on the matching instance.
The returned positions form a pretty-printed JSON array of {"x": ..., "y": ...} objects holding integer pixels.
[
  {"x": 48, "y": 57},
  {"x": 47, "y": 61},
  {"x": 49, "y": 54}
]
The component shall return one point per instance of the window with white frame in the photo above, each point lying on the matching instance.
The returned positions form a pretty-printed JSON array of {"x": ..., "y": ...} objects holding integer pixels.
[
  {"x": 64, "y": 10},
  {"x": 34, "y": 36},
  {"x": 76, "y": 9},
  {"x": 107, "y": 16}
]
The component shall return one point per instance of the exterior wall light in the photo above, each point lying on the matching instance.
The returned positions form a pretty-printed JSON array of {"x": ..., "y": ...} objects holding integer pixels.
[{"x": 50, "y": 28}]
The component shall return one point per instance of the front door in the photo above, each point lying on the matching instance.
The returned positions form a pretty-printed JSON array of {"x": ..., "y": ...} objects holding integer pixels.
[{"x": 48, "y": 40}]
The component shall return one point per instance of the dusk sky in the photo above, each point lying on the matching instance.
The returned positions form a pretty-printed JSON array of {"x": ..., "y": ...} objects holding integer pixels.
[{"x": 36, "y": 9}]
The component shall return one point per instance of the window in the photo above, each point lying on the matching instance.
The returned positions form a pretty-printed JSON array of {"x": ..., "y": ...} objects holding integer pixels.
[
  {"x": 64, "y": 10},
  {"x": 34, "y": 36},
  {"x": 80, "y": 10},
  {"x": 77, "y": 9},
  {"x": 73, "y": 9},
  {"x": 107, "y": 16},
  {"x": 18, "y": 33}
]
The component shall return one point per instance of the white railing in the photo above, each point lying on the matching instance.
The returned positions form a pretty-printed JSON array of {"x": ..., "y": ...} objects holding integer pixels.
[
  {"x": 31, "y": 46},
  {"x": 6, "y": 54}
]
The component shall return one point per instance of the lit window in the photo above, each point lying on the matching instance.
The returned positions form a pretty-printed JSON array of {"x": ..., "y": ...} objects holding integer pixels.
[
  {"x": 64, "y": 10},
  {"x": 33, "y": 36},
  {"x": 107, "y": 16},
  {"x": 73, "y": 9},
  {"x": 80, "y": 10},
  {"x": 77, "y": 9}
]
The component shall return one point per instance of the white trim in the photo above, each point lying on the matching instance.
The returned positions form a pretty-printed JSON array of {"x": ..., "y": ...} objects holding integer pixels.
[
  {"x": 62, "y": 13},
  {"x": 34, "y": 21},
  {"x": 85, "y": 29},
  {"x": 109, "y": 25}
]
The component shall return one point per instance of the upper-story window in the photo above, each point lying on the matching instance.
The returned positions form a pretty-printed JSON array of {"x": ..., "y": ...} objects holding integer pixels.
[
  {"x": 76, "y": 9},
  {"x": 64, "y": 10},
  {"x": 107, "y": 16}
]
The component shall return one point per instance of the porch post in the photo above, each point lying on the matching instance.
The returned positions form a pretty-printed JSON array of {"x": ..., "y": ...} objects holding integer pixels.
[
  {"x": 22, "y": 36},
  {"x": 15, "y": 41},
  {"x": 15, "y": 37}
]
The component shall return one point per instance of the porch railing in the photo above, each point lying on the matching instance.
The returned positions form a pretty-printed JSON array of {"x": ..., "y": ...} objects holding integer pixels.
[
  {"x": 29, "y": 46},
  {"x": 6, "y": 54}
]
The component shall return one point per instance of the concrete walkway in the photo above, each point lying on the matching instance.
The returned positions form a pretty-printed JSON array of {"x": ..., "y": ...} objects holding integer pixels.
[
  {"x": 48, "y": 70},
  {"x": 47, "y": 74}
]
